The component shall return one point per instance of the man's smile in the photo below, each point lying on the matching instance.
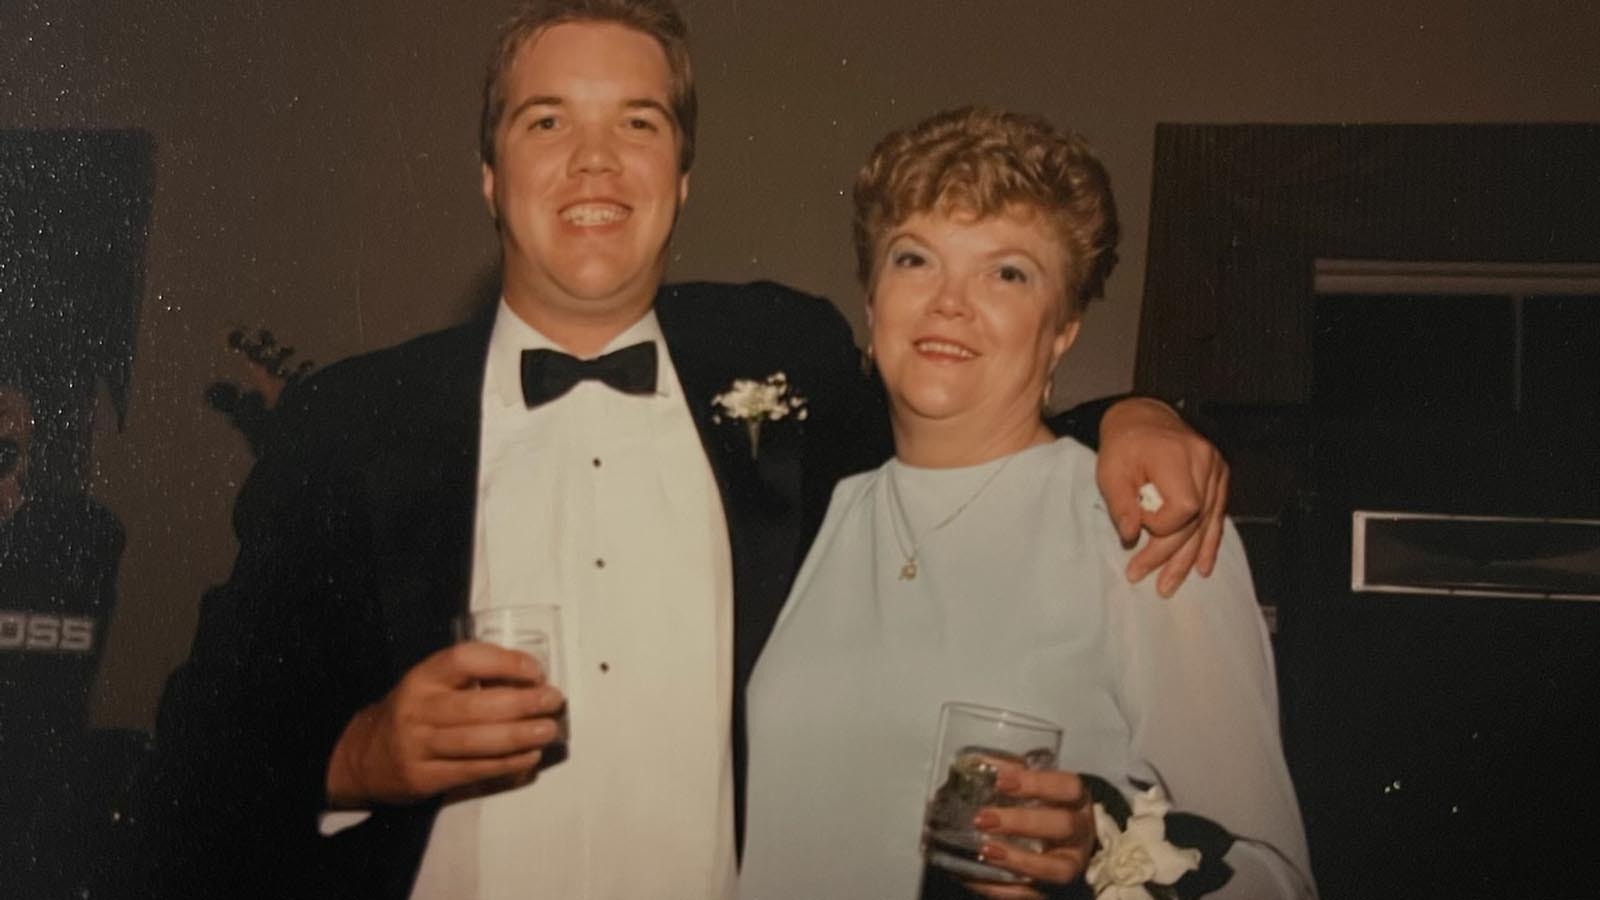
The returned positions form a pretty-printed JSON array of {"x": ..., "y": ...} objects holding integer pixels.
[{"x": 590, "y": 214}]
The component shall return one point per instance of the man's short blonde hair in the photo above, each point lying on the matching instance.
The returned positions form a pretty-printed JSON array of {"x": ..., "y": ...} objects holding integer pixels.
[
  {"x": 985, "y": 162},
  {"x": 657, "y": 18}
]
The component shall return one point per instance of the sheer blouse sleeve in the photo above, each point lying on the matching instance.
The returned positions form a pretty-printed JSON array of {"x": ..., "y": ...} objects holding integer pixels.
[{"x": 1195, "y": 682}]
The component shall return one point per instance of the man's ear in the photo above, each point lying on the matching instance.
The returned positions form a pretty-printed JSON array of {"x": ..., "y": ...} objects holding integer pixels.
[{"x": 488, "y": 192}]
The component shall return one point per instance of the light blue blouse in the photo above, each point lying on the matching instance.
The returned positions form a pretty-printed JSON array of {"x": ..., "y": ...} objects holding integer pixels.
[{"x": 1019, "y": 602}]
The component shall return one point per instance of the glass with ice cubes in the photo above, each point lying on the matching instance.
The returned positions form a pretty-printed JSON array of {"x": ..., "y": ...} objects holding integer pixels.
[{"x": 974, "y": 743}]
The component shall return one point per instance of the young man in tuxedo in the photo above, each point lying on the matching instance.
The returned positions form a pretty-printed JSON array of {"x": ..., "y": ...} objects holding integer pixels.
[{"x": 326, "y": 736}]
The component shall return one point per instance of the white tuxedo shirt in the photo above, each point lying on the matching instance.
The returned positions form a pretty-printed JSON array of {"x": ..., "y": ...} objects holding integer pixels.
[{"x": 604, "y": 504}]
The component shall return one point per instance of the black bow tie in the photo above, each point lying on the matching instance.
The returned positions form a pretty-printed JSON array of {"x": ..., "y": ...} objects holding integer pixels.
[{"x": 547, "y": 374}]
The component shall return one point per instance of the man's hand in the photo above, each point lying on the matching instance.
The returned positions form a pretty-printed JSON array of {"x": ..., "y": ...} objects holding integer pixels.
[
  {"x": 438, "y": 730},
  {"x": 1064, "y": 822},
  {"x": 1144, "y": 441}
]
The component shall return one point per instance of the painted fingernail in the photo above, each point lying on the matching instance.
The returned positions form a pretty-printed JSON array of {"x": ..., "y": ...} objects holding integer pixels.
[
  {"x": 992, "y": 852},
  {"x": 1008, "y": 782},
  {"x": 986, "y": 820}
]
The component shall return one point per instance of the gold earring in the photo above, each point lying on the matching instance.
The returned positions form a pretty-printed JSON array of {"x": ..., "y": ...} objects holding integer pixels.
[
  {"x": 866, "y": 360},
  {"x": 1049, "y": 385}
]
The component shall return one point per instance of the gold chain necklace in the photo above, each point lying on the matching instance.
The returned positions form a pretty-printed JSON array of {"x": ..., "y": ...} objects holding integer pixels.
[{"x": 908, "y": 571}]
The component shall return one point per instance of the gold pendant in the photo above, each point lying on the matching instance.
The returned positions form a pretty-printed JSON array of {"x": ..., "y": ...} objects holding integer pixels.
[{"x": 909, "y": 570}]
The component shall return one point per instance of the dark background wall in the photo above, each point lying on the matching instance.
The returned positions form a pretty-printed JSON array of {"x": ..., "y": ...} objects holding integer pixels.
[{"x": 316, "y": 173}]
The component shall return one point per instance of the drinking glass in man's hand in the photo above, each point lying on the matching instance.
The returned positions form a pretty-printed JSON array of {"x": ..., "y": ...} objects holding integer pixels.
[
  {"x": 534, "y": 629},
  {"x": 974, "y": 745}
]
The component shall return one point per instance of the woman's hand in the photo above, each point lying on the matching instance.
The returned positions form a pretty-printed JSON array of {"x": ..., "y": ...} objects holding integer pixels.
[
  {"x": 1145, "y": 441},
  {"x": 1063, "y": 820}
]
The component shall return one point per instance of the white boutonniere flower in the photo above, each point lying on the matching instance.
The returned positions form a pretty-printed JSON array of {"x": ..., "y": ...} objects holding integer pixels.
[
  {"x": 1137, "y": 856},
  {"x": 754, "y": 402}
]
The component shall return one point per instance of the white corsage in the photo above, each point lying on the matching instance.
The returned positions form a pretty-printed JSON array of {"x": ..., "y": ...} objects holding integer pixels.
[
  {"x": 1149, "y": 852},
  {"x": 755, "y": 402}
]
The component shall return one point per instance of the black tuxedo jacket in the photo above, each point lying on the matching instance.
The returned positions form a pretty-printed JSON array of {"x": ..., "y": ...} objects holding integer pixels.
[{"x": 355, "y": 533}]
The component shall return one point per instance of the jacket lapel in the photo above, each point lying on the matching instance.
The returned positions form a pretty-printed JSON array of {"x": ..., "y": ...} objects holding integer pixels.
[
  {"x": 423, "y": 487},
  {"x": 760, "y": 490},
  {"x": 761, "y": 493}
]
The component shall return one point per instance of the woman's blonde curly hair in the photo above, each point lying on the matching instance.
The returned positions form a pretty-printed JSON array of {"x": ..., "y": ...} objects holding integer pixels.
[{"x": 983, "y": 162}]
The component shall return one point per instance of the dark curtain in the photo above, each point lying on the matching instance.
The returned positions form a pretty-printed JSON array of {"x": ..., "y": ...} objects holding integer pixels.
[{"x": 73, "y": 212}]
